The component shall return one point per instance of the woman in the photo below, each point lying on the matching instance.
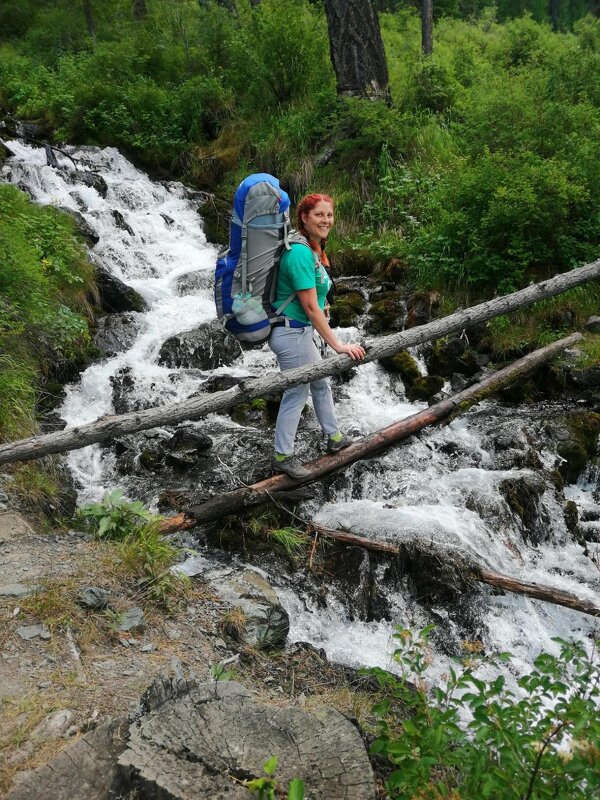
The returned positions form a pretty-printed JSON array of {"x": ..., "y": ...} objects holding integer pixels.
[{"x": 302, "y": 273}]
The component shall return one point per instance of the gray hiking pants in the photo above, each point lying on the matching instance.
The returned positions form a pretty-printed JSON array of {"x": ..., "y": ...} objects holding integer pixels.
[{"x": 295, "y": 347}]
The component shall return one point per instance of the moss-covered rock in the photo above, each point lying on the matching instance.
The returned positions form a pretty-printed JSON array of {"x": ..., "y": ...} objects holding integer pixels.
[
  {"x": 576, "y": 438},
  {"x": 424, "y": 388},
  {"x": 447, "y": 356},
  {"x": 387, "y": 313},
  {"x": 402, "y": 364},
  {"x": 352, "y": 262},
  {"x": 346, "y": 309}
]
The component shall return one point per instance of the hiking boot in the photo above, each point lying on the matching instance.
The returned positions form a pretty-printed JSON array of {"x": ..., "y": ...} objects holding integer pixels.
[
  {"x": 290, "y": 466},
  {"x": 335, "y": 447}
]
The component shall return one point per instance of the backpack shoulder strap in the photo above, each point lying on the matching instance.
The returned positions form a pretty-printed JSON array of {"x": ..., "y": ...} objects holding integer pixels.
[{"x": 297, "y": 238}]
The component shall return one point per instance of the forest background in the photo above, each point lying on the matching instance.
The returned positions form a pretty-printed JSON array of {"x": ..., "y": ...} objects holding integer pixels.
[{"x": 481, "y": 174}]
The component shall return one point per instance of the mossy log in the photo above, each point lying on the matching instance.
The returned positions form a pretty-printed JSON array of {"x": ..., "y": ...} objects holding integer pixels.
[
  {"x": 369, "y": 446},
  {"x": 111, "y": 427}
]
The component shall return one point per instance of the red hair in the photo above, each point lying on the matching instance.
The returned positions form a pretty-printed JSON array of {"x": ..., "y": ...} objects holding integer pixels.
[{"x": 307, "y": 204}]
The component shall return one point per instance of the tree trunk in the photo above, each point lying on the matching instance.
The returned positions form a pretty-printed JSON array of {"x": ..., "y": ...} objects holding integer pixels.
[
  {"x": 140, "y": 10},
  {"x": 111, "y": 426},
  {"x": 371, "y": 445},
  {"x": 89, "y": 18},
  {"x": 356, "y": 49},
  {"x": 427, "y": 26},
  {"x": 554, "y": 14}
]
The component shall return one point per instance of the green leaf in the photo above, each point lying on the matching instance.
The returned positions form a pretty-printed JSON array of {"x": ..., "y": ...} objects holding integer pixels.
[
  {"x": 296, "y": 789},
  {"x": 270, "y": 766}
]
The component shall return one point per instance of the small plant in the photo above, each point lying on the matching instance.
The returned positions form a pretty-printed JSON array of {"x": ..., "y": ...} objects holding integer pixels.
[
  {"x": 115, "y": 517},
  {"x": 233, "y": 622},
  {"x": 513, "y": 746},
  {"x": 266, "y": 786},
  {"x": 293, "y": 540},
  {"x": 219, "y": 673}
]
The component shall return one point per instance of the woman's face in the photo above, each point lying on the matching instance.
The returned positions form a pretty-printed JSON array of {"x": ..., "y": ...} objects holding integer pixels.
[{"x": 318, "y": 220}]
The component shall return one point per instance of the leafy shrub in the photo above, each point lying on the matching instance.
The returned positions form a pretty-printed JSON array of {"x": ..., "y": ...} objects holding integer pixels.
[
  {"x": 115, "y": 517},
  {"x": 542, "y": 743},
  {"x": 44, "y": 278}
]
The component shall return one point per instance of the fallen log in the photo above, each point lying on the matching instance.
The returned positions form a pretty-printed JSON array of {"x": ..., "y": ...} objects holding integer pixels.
[
  {"x": 111, "y": 426},
  {"x": 371, "y": 445},
  {"x": 537, "y": 591}
]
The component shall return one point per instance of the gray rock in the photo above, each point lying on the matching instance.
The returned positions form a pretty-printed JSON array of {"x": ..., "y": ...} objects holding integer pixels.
[
  {"x": 121, "y": 222},
  {"x": 116, "y": 296},
  {"x": 83, "y": 226},
  {"x": 206, "y": 347},
  {"x": 93, "y": 598},
  {"x": 18, "y": 590},
  {"x": 593, "y": 324},
  {"x": 115, "y": 333},
  {"x": 32, "y": 631},
  {"x": 53, "y": 727},
  {"x": 133, "y": 618},
  {"x": 91, "y": 179},
  {"x": 189, "y": 438},
  {"x": 266, "y": 622},
  {"x": 189, "y": 746}
]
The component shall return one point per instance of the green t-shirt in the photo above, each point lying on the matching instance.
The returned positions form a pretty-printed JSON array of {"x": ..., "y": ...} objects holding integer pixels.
[{"x": 297, "y": 271}]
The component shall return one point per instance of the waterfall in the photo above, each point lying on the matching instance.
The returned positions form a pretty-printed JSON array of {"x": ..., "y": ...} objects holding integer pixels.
[{"x": 446, "y": 486}]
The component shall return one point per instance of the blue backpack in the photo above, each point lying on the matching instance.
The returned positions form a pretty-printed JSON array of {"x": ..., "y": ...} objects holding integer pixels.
[{"x": 246, "y": 273}]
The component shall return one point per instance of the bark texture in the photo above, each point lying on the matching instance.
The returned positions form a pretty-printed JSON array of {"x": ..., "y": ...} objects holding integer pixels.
[
  {"x": 208, "y": 741},
  {"x": 427, "y": 26},
  {"x": 356, "y": 49},
  {"x": 247, "y": 496},
  {"x": 112, "y": 426}
]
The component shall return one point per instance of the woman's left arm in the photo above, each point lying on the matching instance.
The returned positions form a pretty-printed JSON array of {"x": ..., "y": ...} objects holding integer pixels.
[{"x": 308, "y": 301}]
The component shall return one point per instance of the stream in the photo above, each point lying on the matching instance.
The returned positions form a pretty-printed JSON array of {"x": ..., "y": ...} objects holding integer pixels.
[{"x": 447, "y": 486}]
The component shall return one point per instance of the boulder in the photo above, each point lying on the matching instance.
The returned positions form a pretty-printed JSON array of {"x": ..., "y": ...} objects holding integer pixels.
[
  {"x": 115, "y": 333},
  {"x": 121, "y": 222},
  {"x": 189, "y": 438},
  {"x": 84, "y": 228},
  {"x": 404, "y": 365},
  {"x": 424, "y": 388},
  {"x": 265, "y": 622},
  {"x": 387, "y": 313},
  {"x": 593, "y": 324},
  {"x": 446, "y": 356},
  {"x": 206, "y": 347},
  {"x": 115, "y": 295},
  {"x": 346, "y": 309},
  {"x": 522, "y": 494},
  {"x": 91, "y": 179}
]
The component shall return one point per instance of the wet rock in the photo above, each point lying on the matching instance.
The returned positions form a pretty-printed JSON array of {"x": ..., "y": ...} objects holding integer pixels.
[
  {"x": 346, "y": 309},
  {"x": 86, "y": 770},
  {"x": 424, "y": 388},
  {"x": 264, "y": 622},
  {"x": 132, "y": 619},
  {"x": 404, "y": 365},
  {"x": 445, "y": 357},
  {"x": 93, "y": 597},
  {"x": 121, "y": 222},
  {"x": 220, "y": 383},
  {"x": 88, "y": 234},
  {"x": 115, "y": 295},
  {"x": 593, "y": 324},
  {"x": 29, "y": 632},
  {"x": 194, "y": 282},
  {"x": 91, "y": 179},
  {"x": 189, "y": 746},
  {"x": 421, "y": 308},
  {"x": 124, "y": 396},
  {"x": 522, "y": 494},
  {"x": 387, "y": 313},
  {"x": 585, "y": 378},
  {"x": 189, "y": 438},
  {"x": 169, "y": 220},
  {"x": 115, "y": 333},
  {"x": 576, "y": 439},
  {"x": 205, "y": 347}
]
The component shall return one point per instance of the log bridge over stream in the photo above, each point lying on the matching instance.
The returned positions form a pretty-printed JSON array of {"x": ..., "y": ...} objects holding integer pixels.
[{"x": 220, "y": 506}]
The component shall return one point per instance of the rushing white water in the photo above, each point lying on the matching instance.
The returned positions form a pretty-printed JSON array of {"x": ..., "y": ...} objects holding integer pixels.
[{"x": 441, "y": 487}]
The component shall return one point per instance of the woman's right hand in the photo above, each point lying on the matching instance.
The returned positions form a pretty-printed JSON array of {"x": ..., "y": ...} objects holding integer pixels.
[{"x": 355, "y": 351}]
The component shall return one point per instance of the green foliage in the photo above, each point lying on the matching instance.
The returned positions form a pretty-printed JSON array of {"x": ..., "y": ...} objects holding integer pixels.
[
  {"x": 542, "y": 743},
  {"x": 144, "y": 553},
  {"x": 266, "y": 786},
  {"x": 293, "y": 541},
  {"x": 44, "y": 278},
  {"x": 115, "y": 517}
]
